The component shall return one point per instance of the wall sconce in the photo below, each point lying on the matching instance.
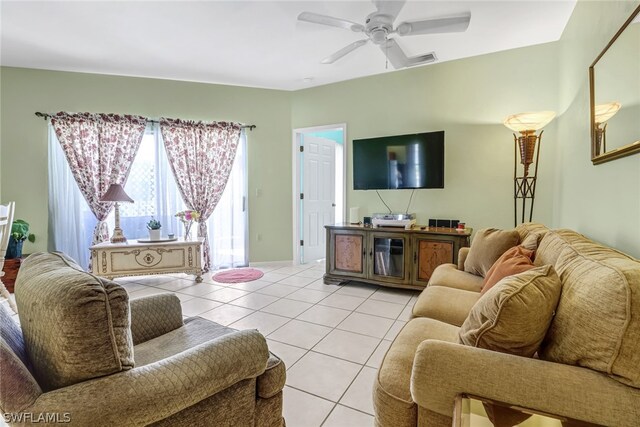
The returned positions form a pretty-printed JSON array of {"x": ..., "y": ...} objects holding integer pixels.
[
  {"x": 528, "y": 145},
  {"x": 603, "y": 112},
  {"x": 115, "y": 193}
]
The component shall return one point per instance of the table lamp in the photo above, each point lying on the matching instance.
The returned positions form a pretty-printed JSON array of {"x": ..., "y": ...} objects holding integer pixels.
[{"x": 116, "y": 194}]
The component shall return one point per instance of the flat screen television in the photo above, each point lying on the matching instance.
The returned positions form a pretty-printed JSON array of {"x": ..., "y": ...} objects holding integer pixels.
[{"x": 399, "y": 162}]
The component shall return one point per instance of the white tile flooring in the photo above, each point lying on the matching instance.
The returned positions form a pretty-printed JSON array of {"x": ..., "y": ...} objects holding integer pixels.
[{"x": 331, "y": 338}]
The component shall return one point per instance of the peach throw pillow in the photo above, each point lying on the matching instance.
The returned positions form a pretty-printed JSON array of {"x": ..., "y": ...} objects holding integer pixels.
[{"x": 515, "y": 260}]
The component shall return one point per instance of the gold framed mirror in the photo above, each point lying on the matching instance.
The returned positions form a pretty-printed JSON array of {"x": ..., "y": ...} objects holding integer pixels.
[{"x": 614, "y": 81}]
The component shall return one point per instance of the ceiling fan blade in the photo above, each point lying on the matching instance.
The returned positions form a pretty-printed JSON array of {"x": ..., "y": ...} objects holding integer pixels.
[
  {"x": 455, "y": 24},
  {"x": 342, "y": 52},
  {"x": 394, "y": 54},
  {"x": 316, "y": 18},
  {"x": 389, "y": 7}
]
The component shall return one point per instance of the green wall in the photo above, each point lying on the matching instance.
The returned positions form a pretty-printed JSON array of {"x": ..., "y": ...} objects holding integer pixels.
[
  {"x": 467, "y": 98},
  {"x": 23, "y": 154},
  {"x": 602, "y": 202}
]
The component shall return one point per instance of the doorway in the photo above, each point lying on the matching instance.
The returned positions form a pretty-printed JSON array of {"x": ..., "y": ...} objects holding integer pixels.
[{"x": 319, "y": 197}]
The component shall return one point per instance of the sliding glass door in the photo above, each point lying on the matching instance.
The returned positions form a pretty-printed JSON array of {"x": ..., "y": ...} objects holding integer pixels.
[{"x": 152, "y": 187}]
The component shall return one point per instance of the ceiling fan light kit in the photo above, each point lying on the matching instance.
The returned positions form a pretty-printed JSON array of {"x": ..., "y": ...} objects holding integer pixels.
[{"x": 379, "y": 26}]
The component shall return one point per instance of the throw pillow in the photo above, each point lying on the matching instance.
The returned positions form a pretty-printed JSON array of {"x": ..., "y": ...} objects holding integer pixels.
[
  {"x": 514, "y": 315},
  {"x": 487, "y": 246},
  {"x": 531, "y": 241},
  {"x": 515, "y": 260}
]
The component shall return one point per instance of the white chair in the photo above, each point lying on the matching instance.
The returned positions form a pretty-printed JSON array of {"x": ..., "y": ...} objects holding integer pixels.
[{"x": 6, "y": 220}]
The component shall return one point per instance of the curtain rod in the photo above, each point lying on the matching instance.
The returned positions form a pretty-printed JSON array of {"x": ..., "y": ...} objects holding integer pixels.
[{"x": 48, "y": 116}]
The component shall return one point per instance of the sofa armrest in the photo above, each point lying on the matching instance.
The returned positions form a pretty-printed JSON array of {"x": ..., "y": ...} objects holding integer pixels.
[
  {"x": 462, "y": 257},
  {"x": 154, "y": 315},
  {"x": 153, "y": 392},
  {"x": 443, "y": 370},
  {"x": 271, "y": 382}
]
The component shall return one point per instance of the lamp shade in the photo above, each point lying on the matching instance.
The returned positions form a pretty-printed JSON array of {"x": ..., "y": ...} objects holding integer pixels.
[
  {"x": 604, "y": 112},
  {"x": 115, "y": 193},
  {"x": 523, "y": 122}
]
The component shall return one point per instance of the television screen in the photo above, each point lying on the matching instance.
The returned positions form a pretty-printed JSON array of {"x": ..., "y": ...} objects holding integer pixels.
[{"x": 397, "y": 162}]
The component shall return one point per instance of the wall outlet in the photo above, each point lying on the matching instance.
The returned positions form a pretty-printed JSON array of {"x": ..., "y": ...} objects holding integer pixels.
[{"x": 258, "y": 192}]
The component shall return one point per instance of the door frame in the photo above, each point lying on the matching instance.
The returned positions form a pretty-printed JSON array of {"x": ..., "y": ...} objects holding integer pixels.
[{"x": 295, "y": 196}]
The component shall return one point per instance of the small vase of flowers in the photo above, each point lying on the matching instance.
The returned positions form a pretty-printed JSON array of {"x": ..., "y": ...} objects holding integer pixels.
[
  {"x": 188, "y": 217},
  {"x": 154, "y": 228}
]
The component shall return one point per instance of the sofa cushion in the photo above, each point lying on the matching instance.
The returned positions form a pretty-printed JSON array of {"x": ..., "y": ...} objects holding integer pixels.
[
  {"x": 531, "y": 242},
  {"x": 597, "y": 323},
  {"x": 18, "y": 388},
  {"x": 450, "y": 276},
  {"x": 515, "y": 260},
  {"x": 392, "y": 400},
  {"x": 527, "y": 228},
  {"x": 197, "y": 331},
  {"x": 486, "y": 247},
  {"x": 549, "y": 249},
  {"x": 514, "y": 315},
  {"x": 449, "y": 305},
  {"x": 75, "y": 325}
]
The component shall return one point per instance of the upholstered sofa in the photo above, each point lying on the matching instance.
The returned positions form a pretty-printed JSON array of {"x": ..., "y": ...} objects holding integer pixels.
[
  {"x": 84, "y": 354},
  {"x": 587, "y": 368}
]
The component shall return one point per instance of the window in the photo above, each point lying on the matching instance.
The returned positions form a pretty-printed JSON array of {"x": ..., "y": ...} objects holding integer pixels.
[{"x": 152, "y": 187}]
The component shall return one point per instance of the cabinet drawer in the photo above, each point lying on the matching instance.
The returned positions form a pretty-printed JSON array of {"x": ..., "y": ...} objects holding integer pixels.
[{"x": 153, "y": 258}]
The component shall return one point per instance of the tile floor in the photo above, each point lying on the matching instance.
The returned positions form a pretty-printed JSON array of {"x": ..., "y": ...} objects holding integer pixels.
[{"x": 331, "y": 338}]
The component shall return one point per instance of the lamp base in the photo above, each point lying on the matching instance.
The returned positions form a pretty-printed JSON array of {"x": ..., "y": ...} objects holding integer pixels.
[{"x": 118, "y": 236}]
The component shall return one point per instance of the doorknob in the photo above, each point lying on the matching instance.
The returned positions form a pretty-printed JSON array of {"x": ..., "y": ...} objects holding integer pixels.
[{"x": 333, "y": 205}]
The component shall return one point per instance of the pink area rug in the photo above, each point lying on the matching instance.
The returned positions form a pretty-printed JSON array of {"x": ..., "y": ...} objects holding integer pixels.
[{"x": 238, "y": 275}]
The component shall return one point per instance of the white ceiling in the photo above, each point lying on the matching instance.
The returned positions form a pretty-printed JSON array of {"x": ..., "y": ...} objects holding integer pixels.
[{"x": 250, "y": 43}]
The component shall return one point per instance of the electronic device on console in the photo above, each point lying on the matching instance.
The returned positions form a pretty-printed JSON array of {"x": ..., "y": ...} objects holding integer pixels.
[{"x": 405, "y": 220}]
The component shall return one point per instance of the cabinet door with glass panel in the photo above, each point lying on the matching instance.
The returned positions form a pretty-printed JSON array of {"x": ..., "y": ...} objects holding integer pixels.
[{"x": 387, "y": 260}]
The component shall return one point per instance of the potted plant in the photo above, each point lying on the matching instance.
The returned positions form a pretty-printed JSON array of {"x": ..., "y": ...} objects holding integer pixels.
[
  {"x": 19, "y": 233},
  {"x": 154, "y": 227}
]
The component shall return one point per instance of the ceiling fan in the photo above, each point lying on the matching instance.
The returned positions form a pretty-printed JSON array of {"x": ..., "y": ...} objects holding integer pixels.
[{"x": 379, "y": 26}]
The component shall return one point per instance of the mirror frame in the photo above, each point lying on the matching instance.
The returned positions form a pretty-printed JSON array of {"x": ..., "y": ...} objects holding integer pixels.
[{"x": 625, "y": 150}]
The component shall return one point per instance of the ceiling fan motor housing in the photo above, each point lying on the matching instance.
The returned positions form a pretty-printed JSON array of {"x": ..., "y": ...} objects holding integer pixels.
[{"x": 378, "y": 26}]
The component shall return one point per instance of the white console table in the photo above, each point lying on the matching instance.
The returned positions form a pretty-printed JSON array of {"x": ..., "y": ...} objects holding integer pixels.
[{"x": 134, "y": 258}]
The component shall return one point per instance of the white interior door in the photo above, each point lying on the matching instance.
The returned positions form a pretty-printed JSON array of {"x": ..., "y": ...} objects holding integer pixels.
[{"x": 319, "y": 200}]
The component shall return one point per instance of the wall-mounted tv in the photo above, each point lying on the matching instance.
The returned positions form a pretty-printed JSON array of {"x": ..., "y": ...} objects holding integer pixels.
[{"x": 399, "y": 162}]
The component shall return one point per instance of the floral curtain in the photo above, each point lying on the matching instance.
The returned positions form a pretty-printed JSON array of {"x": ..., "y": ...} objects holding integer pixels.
[
  {"x": 201, "y": 157},
  {"x": 99, "y": 149}
]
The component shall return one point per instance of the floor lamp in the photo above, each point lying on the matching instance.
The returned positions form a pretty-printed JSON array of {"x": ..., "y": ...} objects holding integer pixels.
[
  {"x": 115, "y": 193},
  {"x": 527, "y": 145}
]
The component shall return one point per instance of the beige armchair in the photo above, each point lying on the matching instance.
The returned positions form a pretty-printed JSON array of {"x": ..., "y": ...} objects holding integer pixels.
[{"x": 77, "y": 356}]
